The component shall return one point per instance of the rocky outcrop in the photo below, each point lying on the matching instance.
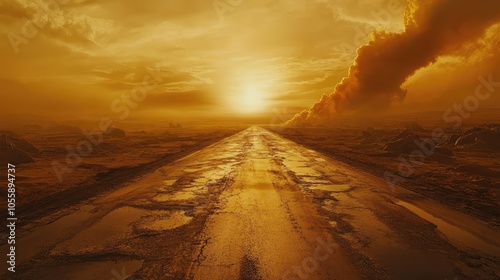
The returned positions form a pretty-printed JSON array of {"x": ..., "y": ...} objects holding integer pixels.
[{"x": 16, "y": 150}]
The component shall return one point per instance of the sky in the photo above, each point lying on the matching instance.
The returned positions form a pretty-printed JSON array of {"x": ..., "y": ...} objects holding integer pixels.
[{"x": 202, "y": 60}]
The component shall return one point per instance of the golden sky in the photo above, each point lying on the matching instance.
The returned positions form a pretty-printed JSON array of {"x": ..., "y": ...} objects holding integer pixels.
[{"x": 204, "y": 59}]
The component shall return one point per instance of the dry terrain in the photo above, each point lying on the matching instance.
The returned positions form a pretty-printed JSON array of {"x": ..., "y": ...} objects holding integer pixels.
[{"x": 258, "y": 204}]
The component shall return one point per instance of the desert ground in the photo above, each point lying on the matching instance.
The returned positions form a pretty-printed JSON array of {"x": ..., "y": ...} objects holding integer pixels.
[{"x": 260, "y": 202}]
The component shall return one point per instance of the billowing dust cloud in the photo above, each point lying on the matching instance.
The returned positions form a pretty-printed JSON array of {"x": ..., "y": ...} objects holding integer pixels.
[{"x": 432, "y": 29}]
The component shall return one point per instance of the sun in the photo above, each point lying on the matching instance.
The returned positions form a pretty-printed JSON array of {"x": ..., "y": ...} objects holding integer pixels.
[{"x": 251, "y": 100}]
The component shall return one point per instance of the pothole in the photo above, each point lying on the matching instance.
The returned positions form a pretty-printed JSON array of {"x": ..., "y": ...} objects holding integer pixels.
[
  {"x": 169, "y": 221},
  {"x": 163, "y": 197},
  {"x": 331, "y": 188},
  {"x": 112, "y": 226},
  {"x": 170, "y": 182}
]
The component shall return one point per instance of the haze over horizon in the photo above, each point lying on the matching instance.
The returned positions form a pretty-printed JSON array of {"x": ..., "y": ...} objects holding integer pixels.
[{"x": 207, "y": 60}]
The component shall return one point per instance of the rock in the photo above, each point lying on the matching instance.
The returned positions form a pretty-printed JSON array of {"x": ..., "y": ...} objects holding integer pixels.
[
  {"x": 32, "y": 128},
  {"x": 369, "y": 136},
  {"x": 471, "y": 130},
  {"x": 402, "y": 144},
  {"x": 452, "y": 139},
  {"x": 414, "y": 127},
  {"x": 8, "y": 133},
  {"x": 366, "y": 134},
  {"x": 442, "y": 158},
  {"x": 480, "y": 138},
  {"x": 115, "y": 132},
  {"x": 14, "y": 156},
  {"x": 403, "y": 134},
  {"x": 16, "y": 150},
  {"x": 466, "y": 139},
  {"x": 62, "y": 128},
  {"x": 443, "y": 151},
  {"x": 479, "y": 145},
  {"x": 10, "y": 141},
  {"x": 491, "y": 138},
  {"x": 477, "y": 170},
  {"x": 369, "y": 140}
]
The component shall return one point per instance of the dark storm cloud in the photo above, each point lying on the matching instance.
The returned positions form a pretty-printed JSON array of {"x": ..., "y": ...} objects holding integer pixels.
[{"x": 433, "y": 29}]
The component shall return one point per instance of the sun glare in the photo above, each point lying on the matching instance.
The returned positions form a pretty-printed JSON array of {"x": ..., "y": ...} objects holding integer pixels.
[{"x": 250, "y": 100}]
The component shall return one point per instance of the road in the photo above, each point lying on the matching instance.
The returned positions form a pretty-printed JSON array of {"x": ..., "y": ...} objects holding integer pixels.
[{"x": 257, "y": 206}]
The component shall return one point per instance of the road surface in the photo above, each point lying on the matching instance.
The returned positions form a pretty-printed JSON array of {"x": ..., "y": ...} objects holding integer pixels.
[{"x": 257, "y": 206}]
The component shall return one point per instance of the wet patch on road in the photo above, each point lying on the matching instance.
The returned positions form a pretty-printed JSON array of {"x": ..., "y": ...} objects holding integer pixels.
[
  {"x": 111, "y": 229},
  {"x": 331, "y": 188},
  {"x": 455, "y": 234},
  {"x": 184, "y": 195},
  {"x": 169, "y": 221}
]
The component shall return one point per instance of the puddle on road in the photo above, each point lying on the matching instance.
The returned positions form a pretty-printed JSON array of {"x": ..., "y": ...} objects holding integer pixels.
[
  {"x": 341, "y": 179},
  {"x": 344, "y": 198},
  {"x": 304, "y": 171},
  {"x": 115, "y": 270},
  {"x": 331, "y": 188},
  {"x": 333, "y": 223},
  {"x": 169, "y": 183},
  {"x": 201, "y": 181},
  {"x": 228, "y": 166},
  {"x": 211, "y": 176},
  {"x": 299, "y": 165},
  {"x": 52, "y": 232},
  {"x": 118, "y": 224},
  {"x": 172, "y": 220},
  {"x": 192, "y": 170},
  {"x": 453, "y": 233},
  {"x": 183, "y": 195},
  {"x": 377, "y": 241},
  {"x": 295, "y": 163},
  {"x": 112, "y": 226},
  {"x": 314, "y": 180}
]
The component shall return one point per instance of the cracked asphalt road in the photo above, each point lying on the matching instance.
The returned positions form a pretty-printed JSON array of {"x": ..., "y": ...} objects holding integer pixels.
[
  {"x": 264, "y": 228},
  {"x": 257, "y": 206}
]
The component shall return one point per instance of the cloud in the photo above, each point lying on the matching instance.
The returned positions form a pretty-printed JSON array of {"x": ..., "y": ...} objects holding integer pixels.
[
  {"x": 186, "y": 99},
  {"x": 28, "y": 19},
  {"x": 432, "y": 29}
]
